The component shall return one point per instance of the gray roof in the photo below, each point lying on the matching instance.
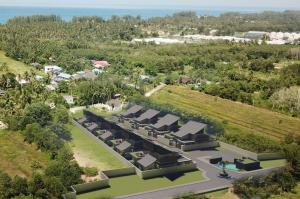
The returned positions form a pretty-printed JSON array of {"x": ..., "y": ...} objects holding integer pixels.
[
  {"x": 149, "y": 114},
  {"x": 123, "y": 146},
  {"x": 167, "y": 120},
  {"x": 132, "y": 110},
  {"x": 147, "y": 160},
  {"x": 190, "y": 128},
  {"x": 106, "y": 135},
  {"x": 82, "y": 120},
  {"x": 93, "y": 126}
]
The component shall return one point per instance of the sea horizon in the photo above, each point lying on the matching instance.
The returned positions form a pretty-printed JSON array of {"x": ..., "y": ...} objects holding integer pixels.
[{"x": 67, "y": 13}]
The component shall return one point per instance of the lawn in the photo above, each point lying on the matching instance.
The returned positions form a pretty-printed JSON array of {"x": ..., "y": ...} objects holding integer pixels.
[
  {"x": 272, "y": 163},
  {"x": 89, "y": 153},
  {"x": 237, "y": 117},
  {"x": 17, "y": 156},
  {"x": 14, "y": 66},
  {"x": 133, "y": 184}
]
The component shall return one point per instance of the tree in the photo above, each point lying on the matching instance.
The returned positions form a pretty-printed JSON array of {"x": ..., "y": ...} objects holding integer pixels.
[
  {"x": 36, "y": 113},
  {"x": 5, "y": 186},
  {"x": 60, "y": 115},
  {"x": 19, "y": 186},
  {"x": 31, "y": 131},
  {"x": 54, "y": 186},
  {"x": 60, "y": 131}
]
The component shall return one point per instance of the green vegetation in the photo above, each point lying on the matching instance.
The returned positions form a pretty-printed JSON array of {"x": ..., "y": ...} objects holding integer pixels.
[
  {"x": 133, "y": 184},
  {"x": 18, "y": 157},
  {"x": 8, "y": 64},
  {"x": 295, "y": 194},
  {"x": 273, "y": 163},
  {"x": 273, "y": 184},
  {"x": 236, "y": 117},
  {"x": 89, "y": 153}
]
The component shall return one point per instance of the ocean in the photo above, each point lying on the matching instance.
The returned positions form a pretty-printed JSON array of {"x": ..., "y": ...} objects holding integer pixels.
[{"x": 8, "y": 12}]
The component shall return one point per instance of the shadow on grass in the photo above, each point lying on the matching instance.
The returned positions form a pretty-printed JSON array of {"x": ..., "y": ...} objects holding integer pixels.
[{"x": 174, "y": 176}]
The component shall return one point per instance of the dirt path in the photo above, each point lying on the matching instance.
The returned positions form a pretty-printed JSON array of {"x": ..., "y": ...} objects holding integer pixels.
[{"x": 156, "y": 89}]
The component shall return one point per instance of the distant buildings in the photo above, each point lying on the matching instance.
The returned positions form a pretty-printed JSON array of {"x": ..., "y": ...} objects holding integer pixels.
[
  {"x": 69, "y": 99},
  {"x": 53, "y": 69},
  {"x": 255, "y": 35},
  {"x": 100, "y": 64}
]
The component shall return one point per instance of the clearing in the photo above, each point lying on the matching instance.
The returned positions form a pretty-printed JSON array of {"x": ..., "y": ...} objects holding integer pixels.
[
  {"x": 120, "y": 186},
  {"x": 14, "y": 66},
  {"x": 89, "y": 153},
  {"x": 17, "y": 156},
  {"x": 236, "y": 117}
]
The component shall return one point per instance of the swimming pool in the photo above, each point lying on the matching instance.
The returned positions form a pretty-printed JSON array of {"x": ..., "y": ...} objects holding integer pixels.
[{"x": 228, "y": 166}]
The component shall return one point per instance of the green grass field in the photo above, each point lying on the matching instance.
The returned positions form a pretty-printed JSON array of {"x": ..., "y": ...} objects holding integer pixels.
[
  {"x": 133, "y": 184},
  {"x": 240, "y": 118},
  {"x": 17, "y": 156},
  {"x": 272, "y": 163},
  {"x": 14, "y": 66},
  {"x": 90, "y": 153}
]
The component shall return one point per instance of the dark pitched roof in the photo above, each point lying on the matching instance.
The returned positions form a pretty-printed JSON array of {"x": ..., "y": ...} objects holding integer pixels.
[
  {"x": 123, "y": 146},
  {"x": 190, "y": 128},
  {"x": 167, "y": 120},
  {"x": 132, "y": 110},
  {"x": 93, "y": 126},
  {"x": 106, "y": 135},
  {"x": 147, "y": 160},
  {"x": 149, "y": 114},
  {"x": 82, "y": 120}
]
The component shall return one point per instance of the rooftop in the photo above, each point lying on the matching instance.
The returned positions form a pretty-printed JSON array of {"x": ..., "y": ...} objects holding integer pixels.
[
  {"x": 190, "y": 128},
  {"x": 147, "y": 160},
  {"x": 132, "y": 110},
  {"x": 167, "y": 120},
  {"x": 106, "y": 135},
  {"x": 149, "y": 114},
  {"x": 123, "y": 146}
]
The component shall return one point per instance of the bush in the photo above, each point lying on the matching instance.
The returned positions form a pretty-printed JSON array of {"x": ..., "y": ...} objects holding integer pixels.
[{"x": 90, "y": 171}]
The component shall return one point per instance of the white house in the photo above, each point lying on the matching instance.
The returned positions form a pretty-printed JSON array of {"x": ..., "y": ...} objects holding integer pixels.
[
  {"x": 52, "y": 69},
  {"x": 69, "y": 99}
]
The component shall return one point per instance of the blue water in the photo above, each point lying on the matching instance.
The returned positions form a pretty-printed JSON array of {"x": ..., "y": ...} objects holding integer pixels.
[
  {"x": 228, "y": 166},
  {"x": 8, "y": 12}
]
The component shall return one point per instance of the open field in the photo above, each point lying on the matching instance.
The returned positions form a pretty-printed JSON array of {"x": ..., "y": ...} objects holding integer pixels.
[
  {"x": 14, "y": 66},
  {"x": 237, "y": 117},
  {"x": 89, "y": 153},
  {"x": 133, "y": 184},
  {"x": 17, "y": 156},
  {"x": 273, "y": 163}
]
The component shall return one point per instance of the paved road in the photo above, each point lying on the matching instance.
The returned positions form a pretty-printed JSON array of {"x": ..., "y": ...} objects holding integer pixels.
[{"x": 212, "y": 182}]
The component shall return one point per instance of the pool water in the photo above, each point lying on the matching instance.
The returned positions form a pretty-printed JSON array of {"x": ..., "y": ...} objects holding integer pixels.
[{"x": 228, "y": 166}]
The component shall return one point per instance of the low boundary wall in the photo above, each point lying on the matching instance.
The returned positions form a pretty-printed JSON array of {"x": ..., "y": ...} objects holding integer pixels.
[
  {"x": 200, "y": 146},
  {"x": 165, "y": 171},
  {"x": 120, "y": 172},
  {"x": 252, "y": 155}
]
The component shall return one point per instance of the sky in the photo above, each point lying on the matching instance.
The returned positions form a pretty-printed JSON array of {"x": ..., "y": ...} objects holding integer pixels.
[{"x": 278, "y": 4}]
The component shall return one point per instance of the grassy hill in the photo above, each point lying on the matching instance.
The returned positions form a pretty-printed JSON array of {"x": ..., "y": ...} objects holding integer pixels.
[
  {"x": 17, "y": 156},
  {"x": 14, "y": 66},
  {"x": 237, "y": 117}
]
